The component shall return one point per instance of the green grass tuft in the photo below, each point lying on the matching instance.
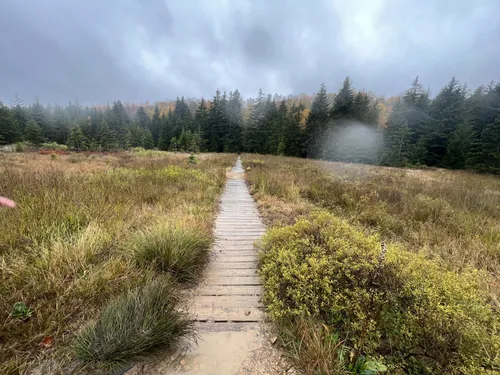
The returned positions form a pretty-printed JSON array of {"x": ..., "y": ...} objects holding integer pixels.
[
  {"x": 181, "y": 251},
  {"x": 134, "y": 324}
]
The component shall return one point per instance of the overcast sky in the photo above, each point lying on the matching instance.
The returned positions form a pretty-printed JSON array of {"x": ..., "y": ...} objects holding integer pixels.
[{"x": 137, "y": 50}]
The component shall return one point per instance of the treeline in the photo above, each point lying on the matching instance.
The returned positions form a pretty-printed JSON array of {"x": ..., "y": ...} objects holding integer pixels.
[{"x": 456, "y": 129}]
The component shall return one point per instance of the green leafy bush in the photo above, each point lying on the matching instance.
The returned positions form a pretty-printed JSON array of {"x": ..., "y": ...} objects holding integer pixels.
[
  {"x": 391, "y": 302},
  {"x": 53, "y": 146},
  {"x": 181, "y": 251},
  {"x": 134, "y": 324}
]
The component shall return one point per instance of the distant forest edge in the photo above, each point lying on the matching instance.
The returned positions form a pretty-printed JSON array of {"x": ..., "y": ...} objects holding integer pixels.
[{"x": 458, "y": 128}]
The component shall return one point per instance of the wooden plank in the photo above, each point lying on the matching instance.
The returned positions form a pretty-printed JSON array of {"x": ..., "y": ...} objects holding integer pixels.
[
  {"x": 231, "y": 272},
  {"x": 230, "y": 290},
  {"x": 252, "y": 314},
  {"x": 222, "y": 302},
  {"x": 233, "y": 265},
  {"x": 233, "y": 280},
  {"x": 225, "y": 258}
]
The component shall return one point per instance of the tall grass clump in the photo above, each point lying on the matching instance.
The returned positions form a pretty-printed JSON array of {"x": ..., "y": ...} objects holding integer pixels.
[
  {"x": 134, "y": 324},
  {"x": 64, "y": 249},
  {"x": 383, "y": 303},
  {"x": 178, "y": 250}
]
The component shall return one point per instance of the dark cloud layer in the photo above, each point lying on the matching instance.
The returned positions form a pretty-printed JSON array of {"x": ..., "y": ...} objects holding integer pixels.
[{"x": 137, "y": 50}]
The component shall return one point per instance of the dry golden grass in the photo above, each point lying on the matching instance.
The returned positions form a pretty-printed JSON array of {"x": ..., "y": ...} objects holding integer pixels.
[
  {"x": 62, "y": 249},
  {"x": 451, "y": 216}
]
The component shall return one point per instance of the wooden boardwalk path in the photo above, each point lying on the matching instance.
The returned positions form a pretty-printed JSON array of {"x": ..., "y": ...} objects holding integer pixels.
[{"x": 231, "y": 292}]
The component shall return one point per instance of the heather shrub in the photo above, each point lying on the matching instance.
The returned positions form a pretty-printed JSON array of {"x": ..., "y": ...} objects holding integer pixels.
[{"x": 381, "y": 301}]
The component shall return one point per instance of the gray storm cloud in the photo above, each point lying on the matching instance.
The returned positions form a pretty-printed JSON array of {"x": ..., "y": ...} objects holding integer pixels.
[{"x": 137, "y": 50}]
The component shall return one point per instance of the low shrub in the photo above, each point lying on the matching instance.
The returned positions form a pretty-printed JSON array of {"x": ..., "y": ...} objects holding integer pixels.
[
  {"x": 53, "y": 146},
  {"x": 180, "y": 251},
  {"x": 134, "y": 324},
  {"x": 384, "y": 302}
]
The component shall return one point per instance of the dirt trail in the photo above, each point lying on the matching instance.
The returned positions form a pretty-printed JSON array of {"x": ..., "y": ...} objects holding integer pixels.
[{"x": 232, "y": 337}]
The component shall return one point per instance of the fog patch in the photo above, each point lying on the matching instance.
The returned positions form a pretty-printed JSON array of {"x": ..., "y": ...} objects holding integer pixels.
[{"x": 352, "y": 141}]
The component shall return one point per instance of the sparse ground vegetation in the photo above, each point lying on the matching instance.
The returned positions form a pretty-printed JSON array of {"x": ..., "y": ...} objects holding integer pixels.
[
  {"x": 79, "y": 244},
  {"x": 426, "y": 304}
]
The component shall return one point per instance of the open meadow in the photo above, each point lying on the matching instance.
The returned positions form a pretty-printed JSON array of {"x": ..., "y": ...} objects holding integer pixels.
[
  {"x": 93, "y": 258},
  {"x": 380, "y": 269}
]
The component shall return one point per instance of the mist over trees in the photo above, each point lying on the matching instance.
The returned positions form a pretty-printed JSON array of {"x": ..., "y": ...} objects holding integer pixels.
[{"x": 458, "y": 128}]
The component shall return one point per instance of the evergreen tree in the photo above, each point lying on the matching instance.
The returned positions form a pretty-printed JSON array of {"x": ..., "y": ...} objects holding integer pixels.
[
  {"x": 19, "y": 113},
  {"x": 77, "y": 139},
  {"x": 142, "y": 118},
  {"x": 343, "y": 104},
  {"x": 234, "y": 137},
  {"x": 136, "y": 134},
  {"x": 9, "y": 129},
  {"x": 292, "y": 133},
  {"x": 106, "y": 137},
  {"x": 254, "y": 134},
  {"x": 33, "y": 133},
  {"x": 60, "y": 125},
  {"x": 459, "y": 146},
  {"x": 316, "y": 123},
  {"x": 202, "y": 123},
  {"x": 361, "y": 108},
  {"x": 396, "y": 137},
  {"x": 490, "y": 140},
  {"x": 148, "y": 141},
  {"x": 155, "y": 125},
  {"x": 447, "y": 111},
  {"x": 40, "y": 116}
]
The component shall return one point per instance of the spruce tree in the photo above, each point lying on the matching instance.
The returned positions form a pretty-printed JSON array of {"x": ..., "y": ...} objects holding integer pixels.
[
  {"x": 202, "y": 125},
  {"x": 142, "y": 118},
  {"x": 33, "y": 133},
  {"x": 490, "y": 141},
  {"x": 343, "y": 104},
  {"x": 255, "y": 133},
  {"x": 136, "y": 135},
  {"x": 234, "y": 136},
  {"x": 148, "y": 141},
  {"x": 77, "y": 139},
  {"x": 396, "y": 137},
  {"x": 459, "y": 146},
  {"x": 155, "y": 125},
  {"x": 19, "y": 112},
  {"x": 292, "y": 133},
  {"x": 447, "y": 112},
  {"x": 9, "y": 129},
  {"x": 316, "y": 123}
]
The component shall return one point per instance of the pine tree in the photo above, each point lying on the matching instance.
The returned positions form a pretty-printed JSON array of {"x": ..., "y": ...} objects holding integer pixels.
[
  {"x": 396, "y": 137},
  {"x": 136, "y": 135},
  {"x": 270, "y": 126},
  {"x": 316, "y": 123},
  {"x": 155, "y": 125},
  {"x": 9, "y": 129},
  {"x": 343, "y": 104},
  {"x": 361, "y": 107},
  {"x": 234, "y": 136},
  {"x": 254, "y": 135},
  {"x": 459, "y": 146},
  {"x": 19, "y": 112},
  {"x": 148, "y": 141},
  {"x": 77, "y": 139},
  {"x": 292, "y": 133},
  {"x": 490, "y": 140},
  {"x": 106, "y": 137},
  {"x": 202, "y": 125},
  {"x": 142, "y": 118},
  {"x": 167, "y": 124},
  {"x": 60, "y": 125},
  {"x": 447, "y": 112},
  {"x": 33, "y": 133},
  {"x": 39, "y": 114}
]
